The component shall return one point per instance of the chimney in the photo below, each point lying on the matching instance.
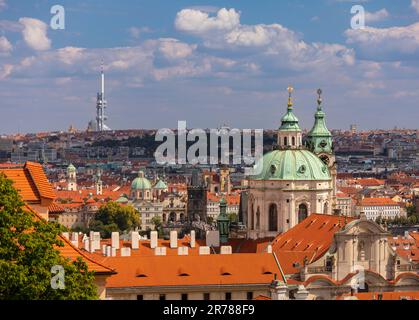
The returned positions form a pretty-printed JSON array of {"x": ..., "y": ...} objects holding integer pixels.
[
  {"x": 115, "y": 240},
  {"x": 182, "y": 251},
  {"x": 135, "y": 240},
  {"x": 113, "y": 252},
  {"x": 226, "y": 250},
  {"x": 108, "y": 251},
  {"x": 96, "y": 238},
  {"x": 75, "y": 236},
  {"x": 173, "y": 239},
  {"x": 66, "y": 235},
  {"x": 269, "y": 249},
  {"x": 204, "y": 251},
  {"x": 193, "y": 244},
  {"x": 92, "y": 245},
  {"x": 153, "y": 239},
  {"x": 104, "y": 247},
  {"x": 87, "y": 245},
  {"x": 160, "y": 251}
]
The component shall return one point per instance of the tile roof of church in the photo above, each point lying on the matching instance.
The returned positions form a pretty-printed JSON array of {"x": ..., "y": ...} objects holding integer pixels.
[{"x": 309, "y": 240}]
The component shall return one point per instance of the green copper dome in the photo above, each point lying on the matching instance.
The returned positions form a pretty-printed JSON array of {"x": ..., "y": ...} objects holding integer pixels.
[
  {"x": 291, "y": 165},
  {"x": 289, "y": 121},
  {"x": 71, "y": 168},
  {"x": 122, "y": 199},
  {"x": 160, "y": 185},
  {"x": 141, "y": 183},
  {"x": 319, "y": 139}
]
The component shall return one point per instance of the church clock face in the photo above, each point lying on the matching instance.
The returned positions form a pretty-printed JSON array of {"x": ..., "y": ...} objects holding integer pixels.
[{"x": 323, "y": 144}]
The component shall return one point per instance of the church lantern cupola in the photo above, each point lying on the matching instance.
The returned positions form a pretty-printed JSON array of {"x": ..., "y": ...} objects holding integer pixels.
[
  {"x": 289, "y": 134},
  {"x": 319, "y": 139}
]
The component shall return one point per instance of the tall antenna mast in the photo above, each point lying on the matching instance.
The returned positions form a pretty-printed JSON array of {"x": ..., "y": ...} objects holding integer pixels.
[{"x": 101, "y": 103}]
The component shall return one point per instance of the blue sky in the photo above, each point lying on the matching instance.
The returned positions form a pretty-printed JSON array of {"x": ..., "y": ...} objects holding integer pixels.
[{"x": 208, "y": 62}]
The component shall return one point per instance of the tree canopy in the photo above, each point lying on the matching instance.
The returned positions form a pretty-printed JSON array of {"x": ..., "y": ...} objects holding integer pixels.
[
  {"x": 113, "y": 217},
  {"x": 28, "y": 253}
]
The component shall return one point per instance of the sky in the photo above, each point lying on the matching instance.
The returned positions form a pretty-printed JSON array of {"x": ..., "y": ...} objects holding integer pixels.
[{"x": 211, "y": 63}]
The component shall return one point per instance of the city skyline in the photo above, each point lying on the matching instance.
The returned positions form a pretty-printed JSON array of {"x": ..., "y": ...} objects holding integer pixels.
[{"x": 227, "y": 63}]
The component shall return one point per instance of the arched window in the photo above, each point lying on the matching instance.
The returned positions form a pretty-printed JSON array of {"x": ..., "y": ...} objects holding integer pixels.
[
  {"x": 302, "y": 212},
  {"x": 182, "y": 217},
  {"x": 273, "y": 218},
  {"x": 172, "y": 217},
  {"x": 326, "y": 208},
  {"x": 258, "y": 219},
  {"x": 293, "y": 141},
  {"x": 285, "y": 141}
]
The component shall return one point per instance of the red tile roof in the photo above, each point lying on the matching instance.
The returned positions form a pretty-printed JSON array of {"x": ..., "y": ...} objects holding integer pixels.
[
  {"x": 31, "y": 182},
  {"x": 71, "y": 252},
  {"x": 377, "y": 202},
  {"x": 215, "y": 269},
  {"x": 309, "y": 240}
]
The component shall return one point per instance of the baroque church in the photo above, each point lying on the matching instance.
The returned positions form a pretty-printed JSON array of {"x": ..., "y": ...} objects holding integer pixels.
[{"x": 295, "y": 180}]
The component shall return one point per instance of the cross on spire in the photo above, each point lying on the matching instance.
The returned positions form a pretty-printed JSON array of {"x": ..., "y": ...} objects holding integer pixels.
[{"x": 319, "y": 100}]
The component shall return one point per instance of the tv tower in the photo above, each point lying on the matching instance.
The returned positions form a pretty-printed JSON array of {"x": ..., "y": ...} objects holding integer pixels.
[{"x": 101, "y": 105}]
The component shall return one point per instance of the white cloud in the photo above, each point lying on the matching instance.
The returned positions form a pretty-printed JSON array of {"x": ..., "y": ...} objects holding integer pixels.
[
  {"x": 3, "y": 5},
  {"x": 70, "y": 55},
  {"x": 136, "y": 32},
  {"x": 379, "y": 15},
  {"x": 35, "y": 34},
  {"x": 174, "y": 49},
  {"x": 415, "y": 5},
  {"x": 386, "y": 40},
  {"x": 5, "y": 71},
  {"x": 198, "y": 22},
  {"x": 274, "y": 43},
  {"x": 5, "y": 45}
]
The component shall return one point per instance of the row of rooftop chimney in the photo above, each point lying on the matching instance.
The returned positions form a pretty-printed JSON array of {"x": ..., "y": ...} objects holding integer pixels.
[{"x": 92, "y": 243}]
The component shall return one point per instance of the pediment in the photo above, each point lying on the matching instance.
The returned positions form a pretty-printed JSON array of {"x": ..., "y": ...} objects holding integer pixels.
[{"x": 362, "y": 227}]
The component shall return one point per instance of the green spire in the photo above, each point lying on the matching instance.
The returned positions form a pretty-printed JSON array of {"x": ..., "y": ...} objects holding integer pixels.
[
  {"x": 223, "y": 222},
  {"x": 319, "y": 138},
  {"x": 289, "y": 121}
]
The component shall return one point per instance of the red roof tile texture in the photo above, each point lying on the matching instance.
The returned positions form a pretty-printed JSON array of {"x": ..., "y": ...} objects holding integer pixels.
[{"x": 309, "y": 240}]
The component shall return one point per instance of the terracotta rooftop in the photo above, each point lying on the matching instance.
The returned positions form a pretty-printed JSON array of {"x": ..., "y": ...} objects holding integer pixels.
[
  {"x": 31, "y": 182},
  {"x": 71, "y": 252},
  {"x": 309, "y": 240},
  {"x": 215, "y": 269},
  {"x": 378, "y": 202}
]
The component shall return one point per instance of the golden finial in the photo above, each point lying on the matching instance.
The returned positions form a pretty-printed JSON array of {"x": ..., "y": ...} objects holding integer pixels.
[{"x": 290, "y": 90}]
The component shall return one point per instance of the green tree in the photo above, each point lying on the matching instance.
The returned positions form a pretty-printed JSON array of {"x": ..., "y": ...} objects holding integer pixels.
[
  {"x": 113, "y": 217},
  {"x": 158, "y": 225},
  {"x": 28, "y": 251},
  {"x": 412, "y": 220},
  {"x": 233, "y": 217},
  {"x": 156, "y": 221}
]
